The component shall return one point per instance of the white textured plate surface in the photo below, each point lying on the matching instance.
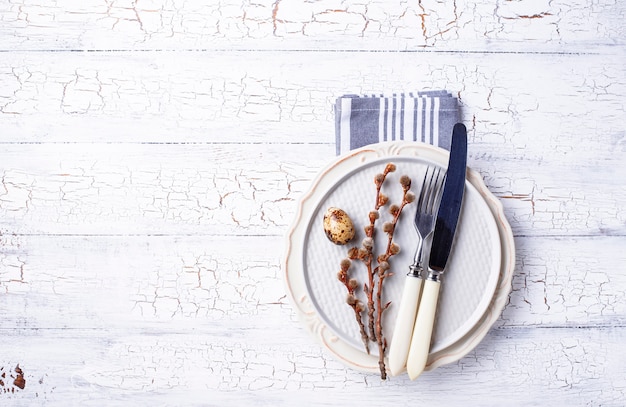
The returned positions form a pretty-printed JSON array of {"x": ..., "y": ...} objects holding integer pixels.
[{"x": 473, "y": 272}]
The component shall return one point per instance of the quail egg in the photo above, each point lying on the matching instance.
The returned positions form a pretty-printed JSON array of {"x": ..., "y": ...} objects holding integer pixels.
[{"x": 338, "y": 226}]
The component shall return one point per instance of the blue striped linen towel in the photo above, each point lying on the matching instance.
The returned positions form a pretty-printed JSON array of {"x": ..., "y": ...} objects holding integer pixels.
[{"x": 427, "y": 116}]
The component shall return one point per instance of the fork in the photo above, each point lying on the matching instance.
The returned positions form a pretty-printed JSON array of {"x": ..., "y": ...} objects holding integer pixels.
[
  {"x": 425, "y": 215},
  {"x": 427, "y": 205}
]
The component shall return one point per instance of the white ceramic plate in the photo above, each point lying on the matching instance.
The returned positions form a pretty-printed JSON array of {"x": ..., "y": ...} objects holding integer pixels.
[{"x": 472, "y": 275}]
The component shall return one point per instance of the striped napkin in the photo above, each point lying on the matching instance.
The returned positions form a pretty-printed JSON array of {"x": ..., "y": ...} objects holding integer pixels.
[{"x": 425, "y": 116}]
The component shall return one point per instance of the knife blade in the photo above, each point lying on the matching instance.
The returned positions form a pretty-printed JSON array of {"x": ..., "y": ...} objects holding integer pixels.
[{"x": 443, "y": 238}]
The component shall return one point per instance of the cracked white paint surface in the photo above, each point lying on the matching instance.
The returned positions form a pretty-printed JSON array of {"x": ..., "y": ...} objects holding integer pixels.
[
  {"x": 296, "y": 24},
  {"x": 152, "y": 154}
]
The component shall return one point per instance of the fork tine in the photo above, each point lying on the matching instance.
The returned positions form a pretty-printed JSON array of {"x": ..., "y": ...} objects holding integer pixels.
[
  {"x": 424, "y": 199},
  {"x": 423, "y": 192},
  {"x": 435, "y": 187}
]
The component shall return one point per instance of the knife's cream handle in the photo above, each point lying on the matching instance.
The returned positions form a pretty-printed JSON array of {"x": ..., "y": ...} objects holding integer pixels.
[
  {"x": 422, "y": 332},
  {"x": 403, "y": 330}
]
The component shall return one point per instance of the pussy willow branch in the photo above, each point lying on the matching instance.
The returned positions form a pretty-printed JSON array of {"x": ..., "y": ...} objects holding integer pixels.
[
  {"x": 369, "y": 291},
  {"x": 375, "y": 275},
  {"x": 380, "y": 339},
  {"x": 381, "y": 200},
  {"x": 383, "y": 269},
  {"x": 351, "y": 284}
]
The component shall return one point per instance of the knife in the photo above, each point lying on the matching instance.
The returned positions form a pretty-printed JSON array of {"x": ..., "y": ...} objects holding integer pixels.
[{"x": 445, "y": 227}]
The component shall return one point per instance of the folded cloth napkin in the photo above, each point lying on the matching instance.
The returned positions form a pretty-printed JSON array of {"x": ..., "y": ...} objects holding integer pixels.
[{"x": 423, "y": 116}]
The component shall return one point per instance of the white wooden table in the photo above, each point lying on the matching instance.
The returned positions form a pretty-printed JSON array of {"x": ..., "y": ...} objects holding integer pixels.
[{"x": 152, "y": 154}]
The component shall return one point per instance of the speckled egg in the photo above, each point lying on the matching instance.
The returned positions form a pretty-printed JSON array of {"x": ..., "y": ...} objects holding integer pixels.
[{"x": 338, "y": 226}]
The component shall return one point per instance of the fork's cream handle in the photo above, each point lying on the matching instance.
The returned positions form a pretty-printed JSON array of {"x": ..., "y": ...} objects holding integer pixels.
[
  {"x": 422, "y": 332},
  {"x": 403, "y": 330}
]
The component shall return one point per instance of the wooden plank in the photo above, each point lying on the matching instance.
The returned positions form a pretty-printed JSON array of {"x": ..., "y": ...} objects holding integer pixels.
[
  {"x": 241, "y": 189},
  {"x": 181, "y": 319},
  {"x": 196, "y": 353},
  {"x": 567, "y": 282},
  {"x": 521, "y": 105},
  {"x": 195, "y": 282},
  {"x": 87, "y": 282},
  {"x": 181, "y": 189},
  {"x": 568, "y": 366},
  {"x": 300, "y": 24}
]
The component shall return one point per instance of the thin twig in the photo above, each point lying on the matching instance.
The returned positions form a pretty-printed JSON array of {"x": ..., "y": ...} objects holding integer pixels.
[
  {"x": 381, "y": 200},
  {"x": 369, "y": 287},
  {"x": 351, "y": 285}
]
